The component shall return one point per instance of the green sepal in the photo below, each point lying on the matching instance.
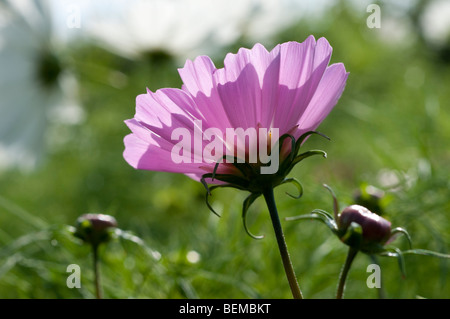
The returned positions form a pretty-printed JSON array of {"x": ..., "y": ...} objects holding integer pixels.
[
  {"x": 297, "y": 184},
  {"x": 280, "y": 143},
  {"x": 247, "y": 203},
  {"x": 401, "y": 231},
  {"x": 307, "y": 154},
  {"x": 323, "y": 212},
  {"x": 231, "y": 180},
  {"x": 303, "y": 137},
  {"x": 86, "y": 230},
  {"x": 352, "y": 236},
  {"x": 285, "y": 165},
  {"x": 335, "y": 203},
  {"x": 400, "y": 259},
  {"x": 288, "y": 164},
  {"x": 319, "y": 215},
  {"x": 208, "y": 193},
  {"x": 244, "y": 168}
]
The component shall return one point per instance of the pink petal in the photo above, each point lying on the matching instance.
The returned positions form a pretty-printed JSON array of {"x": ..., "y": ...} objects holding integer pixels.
[
  {"x": 142, "y": 155},
  {"x": 240, "y": 97},
  {"x": 325, "y": 98},
  {"x": 303, "y": 65},
  {"x": 198, "y": 81},
  {"x": 288, "y": 87},
  {"x": 165, "y": 110},
  {"x": 197, "y": 75},
  {"x": 247, "y": 86},
  {"x": 146, "y": 150}
]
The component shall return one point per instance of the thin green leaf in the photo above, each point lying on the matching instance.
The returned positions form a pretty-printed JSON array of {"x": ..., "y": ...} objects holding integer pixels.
[
  {"x": 187, "y": 288},
  {"x": 425, "y": 252},
  {"x": 22, "y": 214},
  {"x": 25, "y": 240},
  {"x": 127, "y": 236},
  {"x": 10, "y": 263}
]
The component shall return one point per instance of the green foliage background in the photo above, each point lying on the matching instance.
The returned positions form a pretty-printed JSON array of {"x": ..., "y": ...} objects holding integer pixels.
[{"x": 393, "y": 118}]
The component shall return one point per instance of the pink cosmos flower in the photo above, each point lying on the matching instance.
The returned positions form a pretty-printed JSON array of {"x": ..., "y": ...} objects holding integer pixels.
[
  {"x": 290, "y": 89},
  {"x": 260, "y": 102}
]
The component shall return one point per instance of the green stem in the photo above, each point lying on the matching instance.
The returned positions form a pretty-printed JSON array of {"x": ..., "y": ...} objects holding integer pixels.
[
  {"x": 344, "y": 272},
  {"x": 98, "y": 290},
  {"x": 381, "y": 292},
  {"x": 288, "y": 268}
]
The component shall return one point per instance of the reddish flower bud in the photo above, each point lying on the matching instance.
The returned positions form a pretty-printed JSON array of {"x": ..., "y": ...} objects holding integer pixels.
[
  {"x": 375, "y": 229},
  {"x": 95, "y": 228},
  {"x": 372, "y": 198}
]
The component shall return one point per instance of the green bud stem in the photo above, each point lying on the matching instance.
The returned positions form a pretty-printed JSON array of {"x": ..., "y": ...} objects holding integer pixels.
[
  {"x": 344, "y": 272},
  {"x": 98, "y": 289},
  {"x": 381, "y": 292},
  {"x": 288, "y": 268}
]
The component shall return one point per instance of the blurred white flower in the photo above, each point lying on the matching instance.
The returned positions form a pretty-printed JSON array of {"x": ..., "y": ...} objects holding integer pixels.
[
  {"x": 435, "y": 22},
  {"x": 33, "y": 82},
  {"x": 396, "y": 30},
  {"x": 193, "y": 257},
  {"x": 187, "y": 28}
]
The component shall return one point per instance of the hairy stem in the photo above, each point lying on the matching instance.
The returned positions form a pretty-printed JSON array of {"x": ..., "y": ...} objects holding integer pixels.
[
  {"x": 98, "y": 290},
  {"x": 381, "y": 292},
  {"x": 344, "y": 272},
  {"x": 288, "y": 268}
]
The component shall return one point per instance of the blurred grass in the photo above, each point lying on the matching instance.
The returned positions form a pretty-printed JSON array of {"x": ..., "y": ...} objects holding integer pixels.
[{"x": 392, "y": 120}]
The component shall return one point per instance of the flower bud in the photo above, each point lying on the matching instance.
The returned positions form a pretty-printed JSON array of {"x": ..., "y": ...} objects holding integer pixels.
[
  {"x": 370, "y": 197},
  {"x": 95, "y": 228},
  {"x": 375, "y": 229}
]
